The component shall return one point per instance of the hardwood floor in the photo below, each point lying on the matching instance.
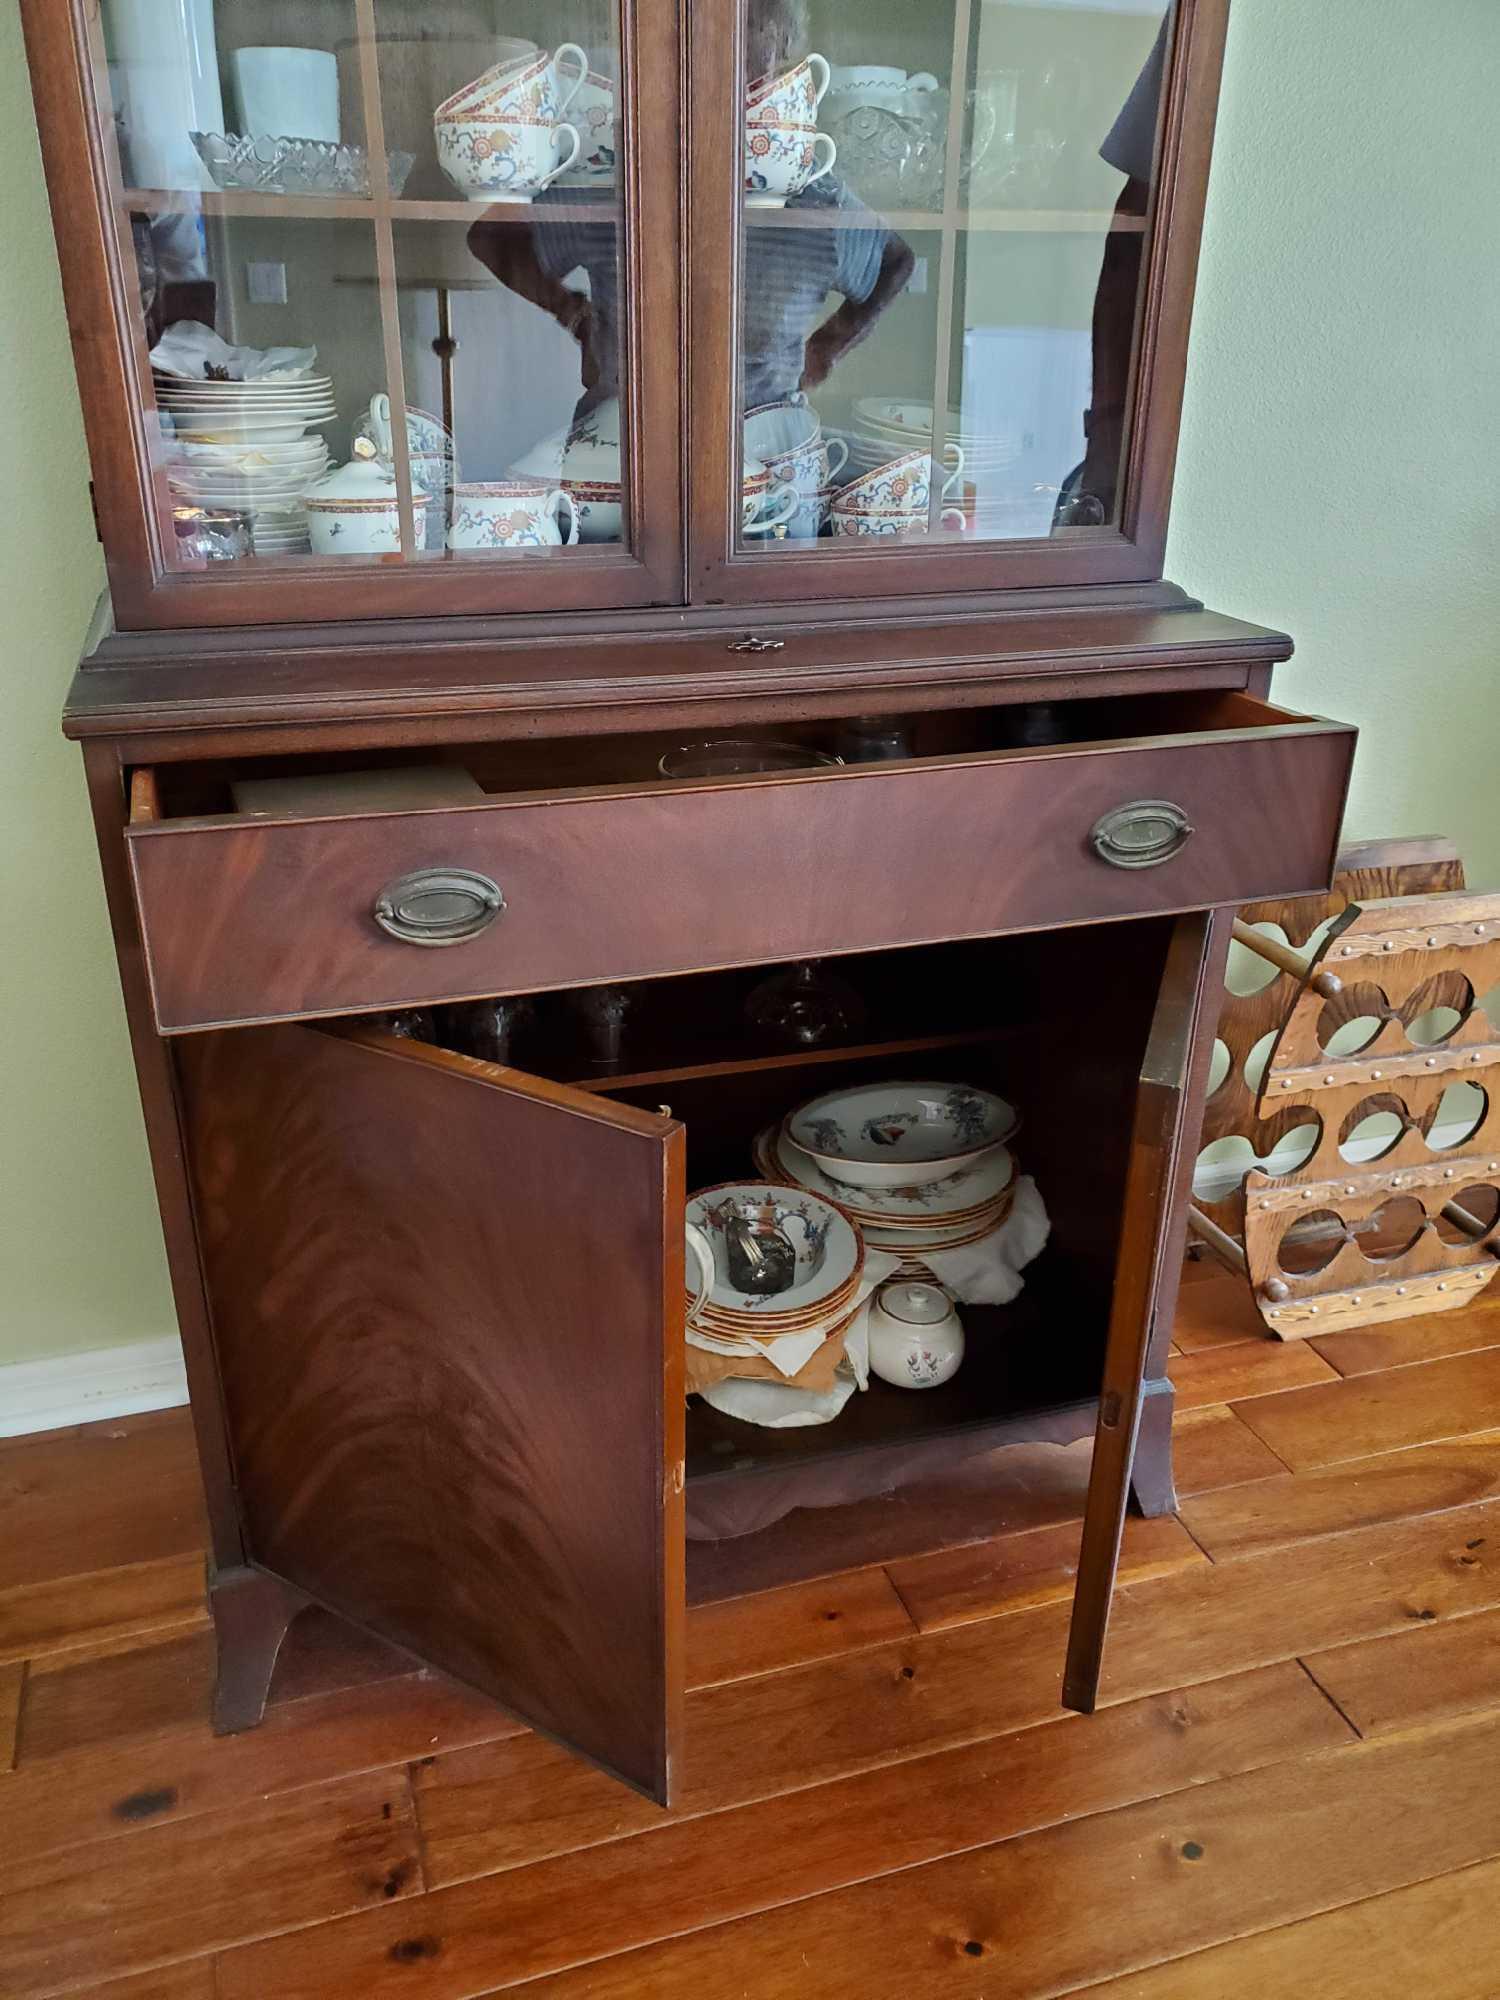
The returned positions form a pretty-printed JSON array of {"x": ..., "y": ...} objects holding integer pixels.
[{"x": 1293, "y": 1783}]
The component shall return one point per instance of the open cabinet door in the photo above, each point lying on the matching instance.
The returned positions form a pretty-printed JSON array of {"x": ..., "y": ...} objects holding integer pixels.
[
  {"x": 1168, "y": 1112},
  {"x": 447, "y": 1300}
]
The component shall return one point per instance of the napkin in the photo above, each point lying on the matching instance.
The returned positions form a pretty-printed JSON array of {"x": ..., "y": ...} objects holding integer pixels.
[
  {"x": 190, "y": 350},
  {"x": 988, "y": 1273}
]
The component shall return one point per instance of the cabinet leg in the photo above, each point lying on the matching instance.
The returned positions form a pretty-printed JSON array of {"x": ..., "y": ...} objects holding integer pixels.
[
  {"x": 1151, "y": 1483},
  {"x": 253, "y": 1612}
]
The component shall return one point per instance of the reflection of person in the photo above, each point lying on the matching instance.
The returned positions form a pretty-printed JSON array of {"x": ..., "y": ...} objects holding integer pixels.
[
  {"x": 789, "y": 273},
  {"x": 1130, "y": 148}
]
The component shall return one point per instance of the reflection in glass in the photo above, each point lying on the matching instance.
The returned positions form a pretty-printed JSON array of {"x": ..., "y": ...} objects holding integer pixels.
[{"x": 943, "y": 256}]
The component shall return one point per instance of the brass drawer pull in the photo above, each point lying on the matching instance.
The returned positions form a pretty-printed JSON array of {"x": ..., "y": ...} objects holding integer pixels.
[
  {"x": 438, "y": 906},
  {"x": 1143, "y": 834}
]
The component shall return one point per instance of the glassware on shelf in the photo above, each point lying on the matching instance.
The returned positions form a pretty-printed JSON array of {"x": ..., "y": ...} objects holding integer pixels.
[
  {"x": 873, "y": 739},
  {"x": 212, "y": 534},
  {"x": 487, "y": 1028},
  {"x": 805, "y": 1007},
  {"x": 260, "y": 164},
  {"x": 731, "y": 757},
  {"x": 604, "y": 1011},
  {"x": 411, "y": 1024}
]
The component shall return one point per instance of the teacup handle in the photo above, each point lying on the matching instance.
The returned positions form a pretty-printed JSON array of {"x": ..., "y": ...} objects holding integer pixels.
[
  {"x": 557, "y": 499},
  {"x": 956, "y": 518},
  {"x": 701, "y": 1249},
  {"x": 787, "y": 504},
  {"x": 562, "y": 165},
  {"x": 380, "y": 423},
  {"x": 819, "y": 67},
  {"x": 923, "y": 80},
  {"x": 953, "y": 454},
  {"x": 836, "y": 467},
  {"x": 565, "y": 97},
  {"x": 827, "y": 166}
]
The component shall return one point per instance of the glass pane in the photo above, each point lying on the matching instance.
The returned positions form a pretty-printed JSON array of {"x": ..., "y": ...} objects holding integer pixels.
[
  {"x": 944, "y": 232},
  {"x": 381, "y": 274}
]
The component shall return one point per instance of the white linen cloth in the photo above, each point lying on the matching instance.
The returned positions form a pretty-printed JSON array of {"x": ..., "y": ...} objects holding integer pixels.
[{"x": 189, "y": 350}]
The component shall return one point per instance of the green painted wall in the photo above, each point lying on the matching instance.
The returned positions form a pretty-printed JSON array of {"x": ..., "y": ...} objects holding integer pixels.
[{"x": 1338, "y": 478}]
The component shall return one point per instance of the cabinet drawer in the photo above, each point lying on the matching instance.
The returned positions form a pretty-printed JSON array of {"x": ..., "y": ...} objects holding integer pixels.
[{"x": 262, "y": 919}]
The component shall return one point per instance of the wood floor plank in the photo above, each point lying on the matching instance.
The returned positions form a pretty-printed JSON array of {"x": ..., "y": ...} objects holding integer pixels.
[
  {"x": 1439, "y": 1939},
  {"x": 1248, "y": 1368},
  {"x": 102, "y": 1606},
  {"x": 110, "y": 1695},
  {"x": 1212, "y": 1448},
  {"x": 692, "y": 1872},
  {"x": 111, "y": 1790},
  {"x": 60, "y": 1495},
  {"x": 1079, "y": 1903},
  {"x": 506, "y": 1804},
  {"x": 193, "y": 1979},
  {"x": 1414, "y": 1677},
  {"x": 786, "y": 1628},
  {"x": 12, "y": 1681},
  {"x": 1395, "y": 1486},
  {"x": 1364, "y": 1350},
  {"x": 100, "y": 1911},
  {"x": 1361, "y": 1415},
  {"x": 1217, "y": 1311},
  {"x": 1015, "y": 1572}
]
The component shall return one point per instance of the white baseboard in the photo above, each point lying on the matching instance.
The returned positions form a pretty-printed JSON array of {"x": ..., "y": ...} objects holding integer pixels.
[{"x": 83, "y": 1388}]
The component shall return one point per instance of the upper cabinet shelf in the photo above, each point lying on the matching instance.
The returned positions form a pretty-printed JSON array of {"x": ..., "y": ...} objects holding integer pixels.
[{"x": 544, "y": 307}]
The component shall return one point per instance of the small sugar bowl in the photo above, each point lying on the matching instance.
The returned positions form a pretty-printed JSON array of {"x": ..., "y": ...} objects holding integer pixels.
[{"x": 916, "y": 1336}]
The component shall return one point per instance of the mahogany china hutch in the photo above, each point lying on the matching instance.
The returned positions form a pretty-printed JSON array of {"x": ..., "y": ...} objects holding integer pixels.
[{"x": 433, "y": 1303}]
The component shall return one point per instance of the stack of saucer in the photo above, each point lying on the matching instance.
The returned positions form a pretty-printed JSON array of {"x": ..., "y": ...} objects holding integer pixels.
[
  {"x": 918, "y": 1167},
  {"x": 245, "y": 445},
  {"x": 822, "y": 1283}
]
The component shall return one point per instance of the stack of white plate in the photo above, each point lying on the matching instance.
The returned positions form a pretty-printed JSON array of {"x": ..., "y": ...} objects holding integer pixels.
[
  {"x": 828, "y": 1257},
  {"x": 919, "y": 1167},
  {"x": 250, "y": 446},
  {"x": 886, "y": 426}
]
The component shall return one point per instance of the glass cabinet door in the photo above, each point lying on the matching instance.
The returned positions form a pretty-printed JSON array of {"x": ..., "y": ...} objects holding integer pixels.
[
  {"x": 387, "y": 296},
  {"x": 945, "y": 219}
]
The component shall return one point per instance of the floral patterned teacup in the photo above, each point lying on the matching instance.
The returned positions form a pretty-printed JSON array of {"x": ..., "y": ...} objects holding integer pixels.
[
  {"x": 893, "y": 520},
  {"x": 509, "y": 158},
  {"x": 902, "y": 485},
  {"x": 792, "y": 98},
  {"x": 531, "y": 86},
  {"x": 592, "y": 110},
  {"x": 782, "y": 160},
  {"x": 767, "y": 505},
  {"x": 511, "y": 514}
]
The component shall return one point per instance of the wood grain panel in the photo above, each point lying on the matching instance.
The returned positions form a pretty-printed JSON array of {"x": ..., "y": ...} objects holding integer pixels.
[
  {"x": 103, "y": 1791},
  {"x": 1396, "y": 1486},
  {"x": 1364, "y": 1350},
  {"x": 696, "y": 1872},
  {"x": 78, "y": 1611},
  {"x": 1366, "y": 1414},
  {"x": 851, "y": 861},
  {"x": 191, "y": 1980},
  {"x": 442, "y": 1325},
  {"x": 1247, "y": 1368},
  {"x": 1013, "y": 1572},
  {"x": 1211, "y": 1448},
  {"x": 1073, "y": 1904},
  {"x": 51, "y": 1522},
  {"x": 788, "y": 1628},
  {"x": 74, "y": 1706},
  {"x": 1439, "y": 1938},
  {"x": 90, "y": 1912},
  {"x": 1427, "y": 1675}
]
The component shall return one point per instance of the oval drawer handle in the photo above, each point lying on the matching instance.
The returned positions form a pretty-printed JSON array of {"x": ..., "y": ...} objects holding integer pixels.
[
  {"x": 438, "y": 906},
  {"x": 1143, "y": 834}
]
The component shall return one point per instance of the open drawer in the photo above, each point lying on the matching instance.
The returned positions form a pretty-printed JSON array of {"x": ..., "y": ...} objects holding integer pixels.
[{"x": 1197, "y": 800}]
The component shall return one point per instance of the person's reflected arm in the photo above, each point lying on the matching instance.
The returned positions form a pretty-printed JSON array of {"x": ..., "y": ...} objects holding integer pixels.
[
  {"x": 1114, "y": 343},
  {"x": 508, "y": 253},
  {"x": 854, "y": 319}
]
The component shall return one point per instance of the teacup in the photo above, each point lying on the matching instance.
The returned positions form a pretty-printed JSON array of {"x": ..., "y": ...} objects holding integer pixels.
[
  {"x": 813, "y": 511},
  {"x": 766, "y": 506},
  {"x": 792, "y": 98},
  {"x": 892, "y": 520},
  {"x": 530, "y": 86},
  {"x": 901, "y": 485},
  {"x": 426, "y": 435},
  {"x": 511, "y": 159},
  {"x": 787, "y": 439},
  {"x": 592, "y": 109},
  {"x": 511, "y": 514},
  {"x": 782, "y": 160}
]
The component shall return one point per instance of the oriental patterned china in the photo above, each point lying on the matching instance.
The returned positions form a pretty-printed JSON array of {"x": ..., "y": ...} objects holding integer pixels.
[
  {"x": 826, "y": 1250},
  {"x": 888, "y": 1135},
  {"x": 501, "y": 135},
  {"x": 511, "y": 514},
  {"x": 356, "y": 511}
]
